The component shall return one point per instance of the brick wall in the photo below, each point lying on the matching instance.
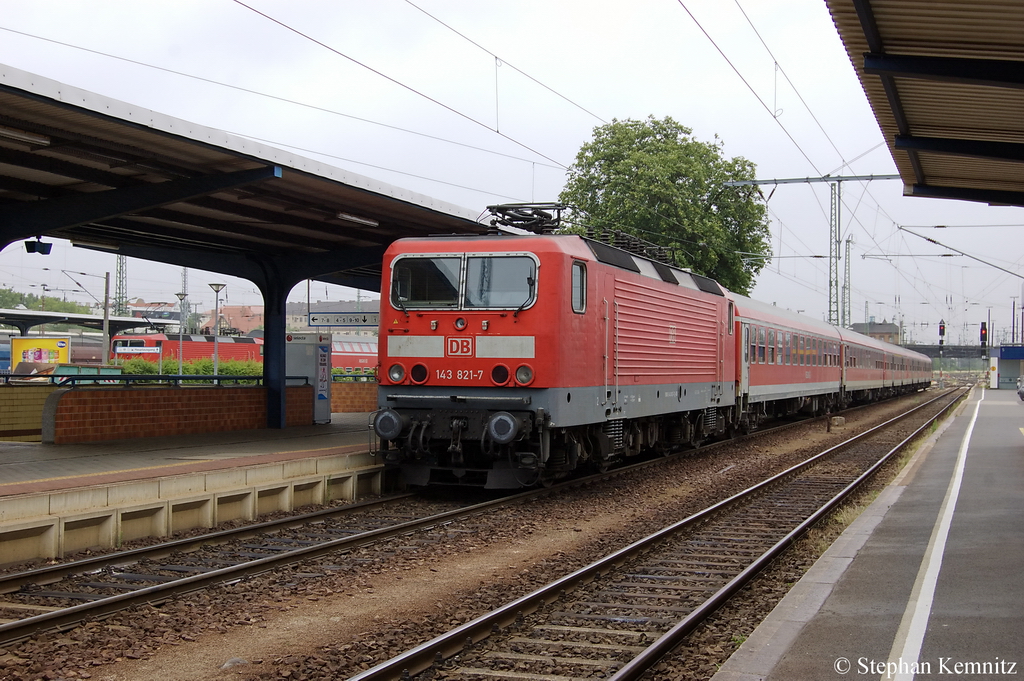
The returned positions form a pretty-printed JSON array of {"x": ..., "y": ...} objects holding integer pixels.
[
  {"x": 98, "y": 414},
  {"x": 21, "y": 407},
  {"x": 352, "y": 397}
]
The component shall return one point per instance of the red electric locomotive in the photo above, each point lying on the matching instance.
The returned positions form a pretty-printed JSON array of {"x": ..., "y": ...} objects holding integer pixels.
[{"x": 510, "y": 360}]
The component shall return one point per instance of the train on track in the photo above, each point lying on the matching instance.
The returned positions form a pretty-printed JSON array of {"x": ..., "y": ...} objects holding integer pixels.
[
  {"x": 355, "y": 355},
  {"x": 351, "y": 355},
  {"x": 512, "y": 360}
]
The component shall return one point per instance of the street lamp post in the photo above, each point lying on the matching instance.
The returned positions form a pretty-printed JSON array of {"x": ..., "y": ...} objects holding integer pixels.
[
  {"x": 217, "y": 288},
  {"x": 181, "y": 331}
]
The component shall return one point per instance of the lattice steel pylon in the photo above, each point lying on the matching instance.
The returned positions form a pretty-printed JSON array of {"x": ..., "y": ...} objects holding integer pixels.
[
  {"x": 834, "y": 219},
  {"x": 121, "y": 287},
  {"x": 184, "y": 310},
  {"x": 847, "y": 316},
  {"x": 833, "y": 252}
]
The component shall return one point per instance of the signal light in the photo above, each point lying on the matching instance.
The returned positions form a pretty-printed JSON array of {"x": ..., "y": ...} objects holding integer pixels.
[
  {"x": 984, "y": 334},
  {"x": 942, "y": 328}
]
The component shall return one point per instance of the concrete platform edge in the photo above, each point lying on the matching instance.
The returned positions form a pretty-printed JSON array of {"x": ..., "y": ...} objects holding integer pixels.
[{"x": 755, "y": 659}]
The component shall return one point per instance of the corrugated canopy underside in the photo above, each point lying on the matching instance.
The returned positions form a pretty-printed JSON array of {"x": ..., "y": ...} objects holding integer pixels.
[
  {"x": 105, "y": 174},
  {"x": 945, "y": 79}
]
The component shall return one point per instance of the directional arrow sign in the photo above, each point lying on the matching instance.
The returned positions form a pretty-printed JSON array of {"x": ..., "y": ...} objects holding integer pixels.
[{"x": 344, "y": 319}]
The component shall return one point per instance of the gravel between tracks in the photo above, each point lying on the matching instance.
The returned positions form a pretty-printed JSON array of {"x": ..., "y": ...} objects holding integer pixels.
[{"x": 315, "y": 622}]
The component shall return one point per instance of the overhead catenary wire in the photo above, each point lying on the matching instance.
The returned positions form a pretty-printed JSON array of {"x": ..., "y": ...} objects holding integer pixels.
[
  {"x": 284, "y": 100},
  {"x": 398, "y": 83},
  {"x": 505, "y": 62},
  {"x": 749, "y": 86}
]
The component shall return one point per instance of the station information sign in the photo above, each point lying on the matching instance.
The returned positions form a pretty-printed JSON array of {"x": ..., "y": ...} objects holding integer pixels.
[{"x": 344, "y": 319}]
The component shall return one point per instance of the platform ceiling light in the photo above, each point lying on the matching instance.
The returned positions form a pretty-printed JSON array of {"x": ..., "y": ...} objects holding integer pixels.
[
  {"x": 38, "y": 246},
  {"x": 22, "y": 136},
  {"x": 347, "y": 217},
  {"x": 103, "y": 245}
]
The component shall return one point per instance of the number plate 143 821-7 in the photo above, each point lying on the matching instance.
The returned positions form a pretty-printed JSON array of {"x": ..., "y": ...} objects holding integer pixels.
[{"x": 459, "y": 374}]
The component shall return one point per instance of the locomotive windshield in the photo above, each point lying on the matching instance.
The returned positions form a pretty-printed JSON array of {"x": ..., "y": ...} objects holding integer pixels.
[{"x": 464, "y": 282}]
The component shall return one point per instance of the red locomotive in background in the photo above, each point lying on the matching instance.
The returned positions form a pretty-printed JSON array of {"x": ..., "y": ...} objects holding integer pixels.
[{"x": 510, "y": 360}]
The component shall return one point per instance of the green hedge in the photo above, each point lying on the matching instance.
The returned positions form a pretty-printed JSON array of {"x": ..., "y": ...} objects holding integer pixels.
[{"x": 199, "y": 367}]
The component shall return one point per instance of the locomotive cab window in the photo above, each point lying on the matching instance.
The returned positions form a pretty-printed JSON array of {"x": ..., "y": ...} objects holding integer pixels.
[
  {"x": 467, "y": 281},
  {"x": 579, "y": 287},
  {"x": 425, "y": 282},
  {"x": 500, "y": 282}
]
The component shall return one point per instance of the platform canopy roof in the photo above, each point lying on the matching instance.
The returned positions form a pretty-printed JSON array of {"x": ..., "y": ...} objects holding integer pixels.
[
  {"x": 108, "y": 175},
  {"x": 945, "y": 79},
  {"x": 24, "y": 320}
]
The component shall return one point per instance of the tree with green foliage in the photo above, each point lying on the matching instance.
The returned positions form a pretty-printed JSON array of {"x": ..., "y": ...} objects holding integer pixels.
[
  {"x": 654, "y": 180},
  {"x": 10, "y": 299}
]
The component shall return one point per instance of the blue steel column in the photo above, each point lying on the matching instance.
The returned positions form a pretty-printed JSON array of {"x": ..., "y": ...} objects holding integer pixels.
[{"x": 274, "y": 299}]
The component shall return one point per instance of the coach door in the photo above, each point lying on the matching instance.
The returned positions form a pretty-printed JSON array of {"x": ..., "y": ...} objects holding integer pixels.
[{"x": 744, "y": 384}]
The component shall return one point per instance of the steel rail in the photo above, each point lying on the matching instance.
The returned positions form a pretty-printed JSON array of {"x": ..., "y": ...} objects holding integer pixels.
[
  {"x": 453, "y": 642},
  {"x": 66, "y": 618},
  {"x": 53, "y": 573},
  {"x": 643, "y": 662}
]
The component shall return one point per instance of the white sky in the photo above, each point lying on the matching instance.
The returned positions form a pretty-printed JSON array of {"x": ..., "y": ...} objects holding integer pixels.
[{"x": 251, "y": 76}]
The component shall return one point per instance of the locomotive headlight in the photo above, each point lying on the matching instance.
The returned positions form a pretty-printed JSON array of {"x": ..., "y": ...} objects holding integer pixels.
[
  {"x": 396, "y": 373},
  {"x": 419, "y": 374},
  {"x": 524, "y": 374},
  {"x": 503, "y": 427},
  {"x": 389, "y": 424}
]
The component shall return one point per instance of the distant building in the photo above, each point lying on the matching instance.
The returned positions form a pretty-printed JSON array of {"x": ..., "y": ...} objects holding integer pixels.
[
  {"x": 140, "y": 308},
  {"x": 883, "y": 331},
  {"x": 236, "y": 320}
]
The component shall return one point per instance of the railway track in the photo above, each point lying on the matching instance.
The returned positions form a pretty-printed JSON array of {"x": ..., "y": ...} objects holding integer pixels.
[
  {"x": 58, "y": 597},
  {"x": 619, "y": 616}
]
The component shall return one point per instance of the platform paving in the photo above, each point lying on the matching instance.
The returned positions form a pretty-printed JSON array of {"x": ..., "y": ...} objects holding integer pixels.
[
  {"x": 926, "y": 583},
  {"x": 30, "y": 467}
]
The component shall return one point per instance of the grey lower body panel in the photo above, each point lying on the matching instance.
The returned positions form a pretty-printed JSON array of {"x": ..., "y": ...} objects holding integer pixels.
[{"x": 566, "y": 407}]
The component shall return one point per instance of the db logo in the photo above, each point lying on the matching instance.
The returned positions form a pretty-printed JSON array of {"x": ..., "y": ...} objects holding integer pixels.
[{"x": 458, "y": 347}]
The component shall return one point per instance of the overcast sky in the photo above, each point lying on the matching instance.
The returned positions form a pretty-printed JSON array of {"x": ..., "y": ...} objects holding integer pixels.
[{"x": 479, "y": 102}]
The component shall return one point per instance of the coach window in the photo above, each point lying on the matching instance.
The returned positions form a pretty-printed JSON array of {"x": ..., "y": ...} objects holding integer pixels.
[
  {"x": 746, "y": 344},
  {"x": 771, "y": 346},
  {"x": 789, "y": 342},
  {"x": 732, "y": 316},
  {"x": 579, "y": 287},
  {"x": 760, "y": 345}
]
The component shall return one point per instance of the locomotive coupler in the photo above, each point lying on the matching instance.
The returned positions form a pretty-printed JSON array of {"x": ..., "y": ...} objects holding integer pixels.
[{"x": 455, "y": 448}]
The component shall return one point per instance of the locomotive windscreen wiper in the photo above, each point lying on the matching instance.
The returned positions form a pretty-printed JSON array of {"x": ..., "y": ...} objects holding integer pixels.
[{"x": 529, "y": 295}]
